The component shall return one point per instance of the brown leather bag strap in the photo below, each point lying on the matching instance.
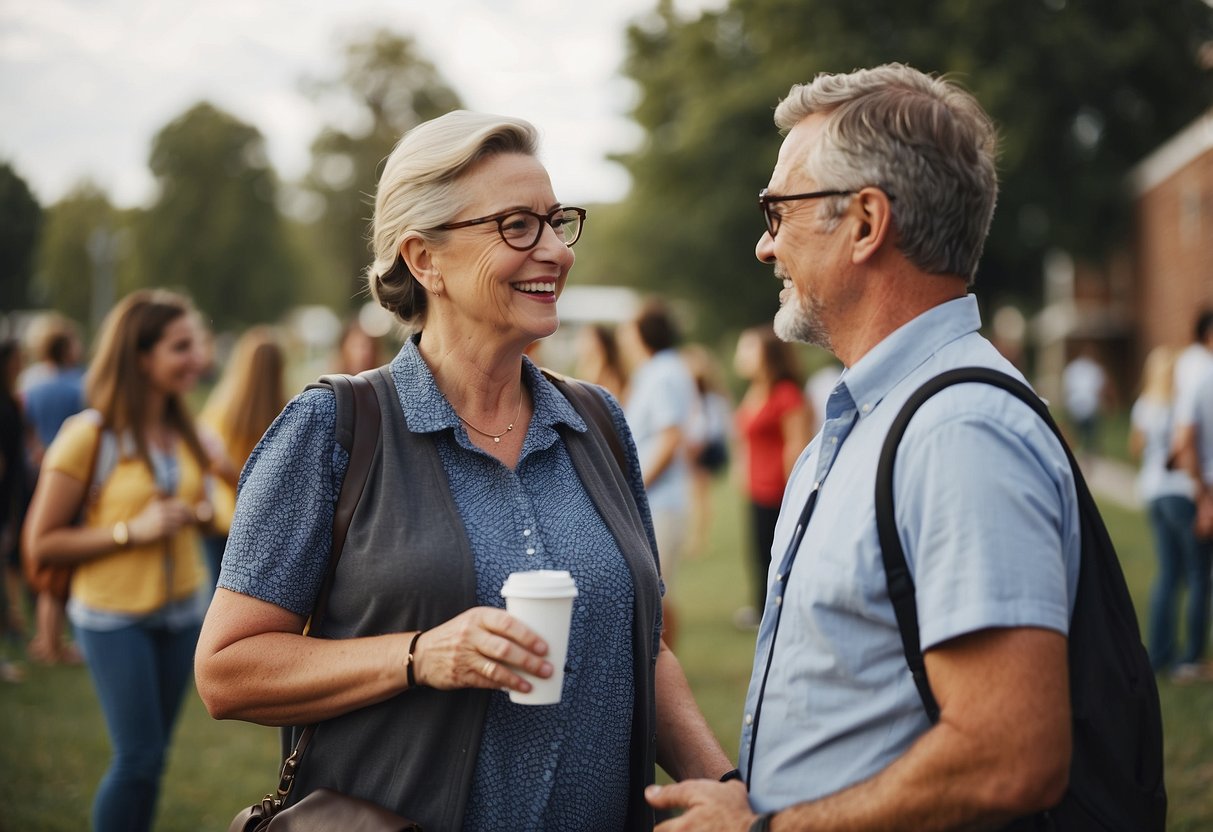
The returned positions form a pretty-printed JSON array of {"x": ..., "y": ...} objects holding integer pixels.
[{"x": 357, "y": 430}]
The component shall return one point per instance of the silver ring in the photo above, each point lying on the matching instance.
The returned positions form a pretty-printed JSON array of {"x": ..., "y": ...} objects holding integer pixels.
[{"x": 489, "y": 667}]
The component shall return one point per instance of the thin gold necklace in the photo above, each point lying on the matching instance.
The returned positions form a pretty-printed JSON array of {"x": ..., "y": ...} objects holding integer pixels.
[{"x": 496, "y": 437}]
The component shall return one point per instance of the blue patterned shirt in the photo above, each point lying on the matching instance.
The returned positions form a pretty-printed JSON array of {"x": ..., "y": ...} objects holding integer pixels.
[{"x": 539, "y": 767}]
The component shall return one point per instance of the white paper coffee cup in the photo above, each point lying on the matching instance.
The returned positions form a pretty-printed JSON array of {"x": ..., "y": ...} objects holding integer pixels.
[{"x": 543, "y": 600}]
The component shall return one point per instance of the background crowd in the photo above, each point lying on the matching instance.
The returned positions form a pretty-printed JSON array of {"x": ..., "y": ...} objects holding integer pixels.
[{"x": 696, "y": 418}]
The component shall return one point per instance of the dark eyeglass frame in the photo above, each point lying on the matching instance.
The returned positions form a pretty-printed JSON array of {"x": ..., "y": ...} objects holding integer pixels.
[
  {"x": 772, "y": 219},
  {"x": 544, "y": 220}
]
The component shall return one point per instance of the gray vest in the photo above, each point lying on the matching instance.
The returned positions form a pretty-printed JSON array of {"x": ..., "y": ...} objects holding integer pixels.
[{"x": 407, "y": 565}]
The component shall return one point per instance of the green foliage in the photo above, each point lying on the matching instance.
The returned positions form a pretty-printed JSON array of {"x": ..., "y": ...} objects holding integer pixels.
[
  {"x": 1081, "y": 91},
  {"x": 79, "y": 254},
  {"x": 215, "y": 229},
  {"x": 394, "y": 88},
  {"x": 20, "y": 222}
]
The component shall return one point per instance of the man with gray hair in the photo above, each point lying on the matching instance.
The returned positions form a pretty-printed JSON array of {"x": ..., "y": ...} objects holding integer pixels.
[{"x": 876, "y": 215}]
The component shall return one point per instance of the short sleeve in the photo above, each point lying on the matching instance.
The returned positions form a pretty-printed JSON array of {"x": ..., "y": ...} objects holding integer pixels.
[
  {"x": 278, "y": 545},
  {"x": 786, "y": 397},
  {"x": 72, "y": 450},
  {"x": 985, "y": 551}
]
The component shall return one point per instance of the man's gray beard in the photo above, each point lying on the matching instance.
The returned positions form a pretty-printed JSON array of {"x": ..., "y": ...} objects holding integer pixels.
[{"x": 793, "y": 322}]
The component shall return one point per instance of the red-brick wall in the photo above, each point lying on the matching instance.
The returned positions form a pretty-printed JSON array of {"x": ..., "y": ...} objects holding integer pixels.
[{"x": 1173, "y": 255}]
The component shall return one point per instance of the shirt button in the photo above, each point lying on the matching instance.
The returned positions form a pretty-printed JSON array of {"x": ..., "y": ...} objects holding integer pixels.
[
  {"x": 833, "y": 440},
  {"x": 866, "y": 408},
  {"x": 749, "y": 719},
  {"x": 530, "y": 551},
  {"x": 779, "y": 600},
  {"x": 526, "y": 532}
]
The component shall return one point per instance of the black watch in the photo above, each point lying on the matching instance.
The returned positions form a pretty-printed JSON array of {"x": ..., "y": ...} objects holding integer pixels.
[{"x": 762, "y": 823}]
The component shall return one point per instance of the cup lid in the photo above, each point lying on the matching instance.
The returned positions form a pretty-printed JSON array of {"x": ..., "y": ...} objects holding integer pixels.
[{"x": 540, "y": 583}]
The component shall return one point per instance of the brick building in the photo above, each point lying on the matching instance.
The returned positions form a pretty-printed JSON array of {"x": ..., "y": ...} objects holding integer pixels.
[{"x": 1172, "y": 246}]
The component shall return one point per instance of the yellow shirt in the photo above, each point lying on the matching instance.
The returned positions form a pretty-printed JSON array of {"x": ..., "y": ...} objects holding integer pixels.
[
  {"x": 223, "y": 496},
  {"x": 139, "y": 579}
]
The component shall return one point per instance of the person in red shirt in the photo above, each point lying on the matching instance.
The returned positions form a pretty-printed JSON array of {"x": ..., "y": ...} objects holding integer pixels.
[{"x": 774, "y": 424}]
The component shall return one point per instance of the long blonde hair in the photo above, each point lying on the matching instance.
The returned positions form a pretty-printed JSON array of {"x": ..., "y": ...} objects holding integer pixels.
[
  {"x": 1158, "y": 375},
  {"x": 115, "y": 384},
  {"x": 251, "y": 393}
]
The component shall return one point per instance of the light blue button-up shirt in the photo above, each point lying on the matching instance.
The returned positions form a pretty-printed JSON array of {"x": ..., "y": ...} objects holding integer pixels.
[
  {"x": 986, "y": 509},
  {"x": 662, "y": 396}
]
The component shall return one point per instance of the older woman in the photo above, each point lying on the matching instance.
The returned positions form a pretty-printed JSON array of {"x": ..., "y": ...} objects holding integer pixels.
[{"x": 475, "y": 480}]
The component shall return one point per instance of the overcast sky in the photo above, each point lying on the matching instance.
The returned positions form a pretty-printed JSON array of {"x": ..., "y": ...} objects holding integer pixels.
[{"x": 85, "y": 84}]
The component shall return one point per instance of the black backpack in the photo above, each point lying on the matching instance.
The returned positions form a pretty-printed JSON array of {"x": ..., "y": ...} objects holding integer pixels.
[{"x": 1116, "y": 770}]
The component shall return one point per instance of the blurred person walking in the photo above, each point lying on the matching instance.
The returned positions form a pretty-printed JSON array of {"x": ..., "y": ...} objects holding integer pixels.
[
  {"x": 1084, "y": 387},
  {"x": 357, "y": 349},
  {"x": 52, "y": 395},
  {"x": 1168, "y": 496},
  {"x": 708, "y": 439},
  {"x": 774, "y": 424},
  {"x": 598, "y": 360},
  {"x": 249, "y": 396},
  {"x": 14, "y": 491},
  {"x": 121, "y": 497},
  {"x": 660, "y": 405}
]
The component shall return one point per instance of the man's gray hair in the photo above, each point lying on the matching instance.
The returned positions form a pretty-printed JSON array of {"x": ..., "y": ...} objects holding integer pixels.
[{"x": 923, "y": 140}]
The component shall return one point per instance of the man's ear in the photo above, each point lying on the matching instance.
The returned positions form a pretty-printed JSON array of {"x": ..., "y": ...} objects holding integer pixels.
[
  {"x": 872, "y": 211},
  {"x": 419, "y": 258}
]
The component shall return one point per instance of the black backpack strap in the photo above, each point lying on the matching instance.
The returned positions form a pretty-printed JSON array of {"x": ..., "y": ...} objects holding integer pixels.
[
  {"x": 589, "y": 402},
  {"x": 897, "y": 572}
]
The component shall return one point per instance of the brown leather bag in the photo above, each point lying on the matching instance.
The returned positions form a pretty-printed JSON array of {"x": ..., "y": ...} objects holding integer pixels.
[
  {"x": 324, "y": 809},
  {"x": 321, "y": 811},
  {"x": 56, "y": 579}
]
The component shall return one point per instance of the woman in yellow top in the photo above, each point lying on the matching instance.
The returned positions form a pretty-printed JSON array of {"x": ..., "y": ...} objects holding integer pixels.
[
  {"x": 121, "y": 496},
  {"x": 248, "y": 397}
]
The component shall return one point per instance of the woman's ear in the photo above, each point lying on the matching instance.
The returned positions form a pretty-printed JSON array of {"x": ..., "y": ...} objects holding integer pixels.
[{"x": 419, "y": 258}]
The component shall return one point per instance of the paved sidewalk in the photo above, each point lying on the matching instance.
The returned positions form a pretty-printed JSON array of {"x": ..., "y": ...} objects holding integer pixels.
[{"x": 1112, "y": 480}]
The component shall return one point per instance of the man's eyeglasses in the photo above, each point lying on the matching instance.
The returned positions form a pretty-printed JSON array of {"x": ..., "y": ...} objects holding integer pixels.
[
  {"x": 521, "y": 229},
  {"x": 773, "y": 218}
]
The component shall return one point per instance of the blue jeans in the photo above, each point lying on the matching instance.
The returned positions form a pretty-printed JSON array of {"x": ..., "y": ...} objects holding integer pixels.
[
  {"x": 1182, "y": 559},
  {"x": 141, "y": 674}
]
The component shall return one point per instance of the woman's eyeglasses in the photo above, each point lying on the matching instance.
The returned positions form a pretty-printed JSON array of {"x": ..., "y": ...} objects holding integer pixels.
[{"x": 521, "y": 229}]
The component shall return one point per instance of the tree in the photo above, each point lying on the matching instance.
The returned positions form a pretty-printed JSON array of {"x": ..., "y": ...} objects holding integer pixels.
[
  {"x": 77, "y": 255},
  {"x": 18, "y": 238},
  {"x": 1081, "y": 91},
  {"x": 394, "y": 89},
  {"x": 214, "y": 229}
]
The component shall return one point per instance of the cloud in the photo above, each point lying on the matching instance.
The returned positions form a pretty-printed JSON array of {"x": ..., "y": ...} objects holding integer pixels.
[{"x": 84, "y": 86}]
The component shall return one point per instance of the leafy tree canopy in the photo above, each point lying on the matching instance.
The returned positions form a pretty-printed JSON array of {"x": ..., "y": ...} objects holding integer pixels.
[
  {"x": 18, "y": 238},
  {"x": 214, "y": 229},
  {"x": 76, "y": 254},
  {"x": 1081, "y": 92},
  {"x": 394, "y": 88}
]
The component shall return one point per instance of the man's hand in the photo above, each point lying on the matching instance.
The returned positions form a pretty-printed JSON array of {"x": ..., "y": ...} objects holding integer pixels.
[{"x": 710, "y": 806}]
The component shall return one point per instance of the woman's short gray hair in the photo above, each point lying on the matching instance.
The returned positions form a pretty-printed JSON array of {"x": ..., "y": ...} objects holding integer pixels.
[
  {"x": 419, "y": 191},
  {"x": 922, "y": 139}
]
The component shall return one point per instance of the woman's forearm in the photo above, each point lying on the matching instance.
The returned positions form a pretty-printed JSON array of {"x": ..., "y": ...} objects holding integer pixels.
[{"x": 686, "y": 746}]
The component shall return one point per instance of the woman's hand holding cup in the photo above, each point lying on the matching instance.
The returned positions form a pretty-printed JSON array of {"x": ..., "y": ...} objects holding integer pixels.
[{"x": 480, "y": 648}]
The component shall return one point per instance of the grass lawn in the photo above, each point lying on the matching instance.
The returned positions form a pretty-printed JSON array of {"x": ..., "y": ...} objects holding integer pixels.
[{"x": 54, "y": 747}]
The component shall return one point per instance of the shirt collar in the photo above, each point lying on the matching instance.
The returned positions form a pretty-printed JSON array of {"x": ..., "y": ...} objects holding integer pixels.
[
  {"x": 906, "y": 348},
  {"x": 426, "y": 409}
]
